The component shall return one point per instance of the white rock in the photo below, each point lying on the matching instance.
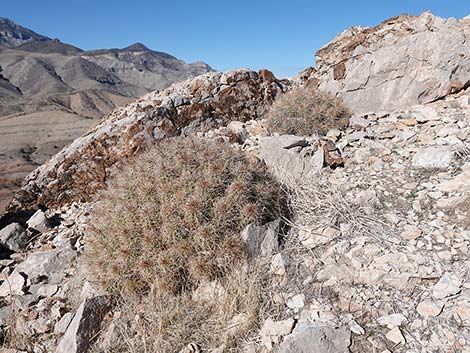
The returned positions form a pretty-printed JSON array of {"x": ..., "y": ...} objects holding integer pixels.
[
  {"x": 61, "y": 326},
  {"x": 448, "y": 285},
  {"x": 438, "y": 157},
  {"x": 356, "y": 328},
  {"x": 13, "y": 285},
  {"x": 296, "y": 302},
  {"x": 429, "y": 308},
  {"x": 391, "y": 321},
  {"x": 396, "y": 336},
  {"x": 277, "y": 328},
  {"x": 278, "y": 265},
  {"x": 38, "y": 222},
  {"x": 358, "y": 122},
  {"x": 411, "y": 232}
]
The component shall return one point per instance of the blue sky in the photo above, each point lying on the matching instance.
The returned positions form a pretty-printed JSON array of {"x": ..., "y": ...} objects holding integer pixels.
[{"x": 279, "y": 35}]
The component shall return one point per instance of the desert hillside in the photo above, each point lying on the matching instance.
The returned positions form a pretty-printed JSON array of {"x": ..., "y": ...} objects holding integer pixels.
[
  {"x": 236, "y": 212},
  {"x": 52, "y": 92}
]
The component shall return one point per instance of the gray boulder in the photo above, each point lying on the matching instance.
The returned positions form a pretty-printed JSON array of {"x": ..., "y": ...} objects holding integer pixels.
[
  {"x": 285, "y": 156},
  {"x": 315, "y": 338},
  {"x": 42, "y": 269},
  {"x": 84, "y": 325},
  {"x": 38, "y": 222},
  {"x": 14, "y": 237}
]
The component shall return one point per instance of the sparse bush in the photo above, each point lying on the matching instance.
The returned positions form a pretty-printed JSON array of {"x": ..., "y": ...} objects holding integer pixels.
[
  {"x": 307, "y": 111},
  {"x": 317, "y": 204},
  {"x": 173, "y": 218}
]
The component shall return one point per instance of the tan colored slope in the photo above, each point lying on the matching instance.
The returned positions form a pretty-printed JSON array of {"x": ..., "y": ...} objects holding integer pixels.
[{"x": 27, "y": 141}]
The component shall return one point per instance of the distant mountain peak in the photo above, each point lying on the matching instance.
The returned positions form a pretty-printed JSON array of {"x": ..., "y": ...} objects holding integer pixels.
[
  {"x": 5, "y": 20},
  {"x": 137, "y": 47},
  {"x": 13, "y": 35}
]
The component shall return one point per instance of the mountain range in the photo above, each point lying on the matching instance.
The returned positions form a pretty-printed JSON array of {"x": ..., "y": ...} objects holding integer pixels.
[{"x": 51, "y": 92}]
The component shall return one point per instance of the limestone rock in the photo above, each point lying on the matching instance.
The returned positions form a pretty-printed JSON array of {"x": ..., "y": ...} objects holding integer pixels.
[
  {"x": 277, "y": 328},
  {"x": 278, "y": 265},
  {"x": 448, "y": 285},
  {"x": 61, "y": 326},
  {"x": 411, "y": 232},
  {"x": 429, "y": 308},
  {"x": 391, "y": 321},
  {"x": 13, "y": 285},
  {"x": 297, "y": 302},
  {"x": 313, "y": 338},
  {"x": 404, "y": 61},
  {"x": 84, "y": 325},
  {"x": 261, "y": 240},
  {"x": 438, "y": 157},
  {"x": 38, "y": 222},
  {"x": 396, "y": 336},
  {"x": 281, "y": 154},
  {"x": 14, "y": 237}
]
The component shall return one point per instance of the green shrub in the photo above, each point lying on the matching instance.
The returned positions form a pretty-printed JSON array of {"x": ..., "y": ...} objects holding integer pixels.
[
  {"x": 307, "y": 111},
  {"x": 173, "y": 218}
]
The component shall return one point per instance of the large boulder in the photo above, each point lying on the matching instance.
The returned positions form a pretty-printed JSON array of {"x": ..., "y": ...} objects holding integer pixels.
[
  {"x": 209, "y": 100},
  {"x": 406, "y": 60},
  {"x": 286, "y": 157}
]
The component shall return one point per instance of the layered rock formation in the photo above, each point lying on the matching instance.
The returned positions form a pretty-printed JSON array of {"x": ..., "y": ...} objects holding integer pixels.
[{"x": 405, "y": 60}]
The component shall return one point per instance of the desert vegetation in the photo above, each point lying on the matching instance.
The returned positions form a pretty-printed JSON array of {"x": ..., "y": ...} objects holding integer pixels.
[
  {"x": 169, "y": 224},
  {"x": 306, "y": 111}
]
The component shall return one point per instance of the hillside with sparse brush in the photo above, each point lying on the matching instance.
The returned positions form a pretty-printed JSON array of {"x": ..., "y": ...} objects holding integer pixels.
[
  {"x": 237, "y": 212},
  {"x": 52, "y": 92}
]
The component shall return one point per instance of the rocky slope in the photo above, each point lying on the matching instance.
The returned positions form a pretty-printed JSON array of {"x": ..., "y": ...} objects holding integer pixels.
[
  {"x": 51, "y": 92},
  {"x": 376, "y": 258}
]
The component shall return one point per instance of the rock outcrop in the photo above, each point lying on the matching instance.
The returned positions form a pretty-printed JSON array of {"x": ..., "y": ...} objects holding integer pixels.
[
  {"x": 376, "y": 258},
  {"x": 404, "y": 61},
  {"x": 209, "y": 100}
]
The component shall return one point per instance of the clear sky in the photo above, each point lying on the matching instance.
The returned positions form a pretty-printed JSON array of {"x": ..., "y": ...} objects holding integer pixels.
[{"x": 279, "y": 35}]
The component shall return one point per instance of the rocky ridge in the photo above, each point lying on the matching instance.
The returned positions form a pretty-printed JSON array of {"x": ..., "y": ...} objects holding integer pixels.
[{"x": 376, "y": 259}]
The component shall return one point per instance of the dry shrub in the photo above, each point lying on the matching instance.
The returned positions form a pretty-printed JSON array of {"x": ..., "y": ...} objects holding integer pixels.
[
  {"x": 307, "y": 111},
  {"x": 168, "y": 323},
  {"x": 316, "y": 204},
  {"x": 173, "y": 217}
]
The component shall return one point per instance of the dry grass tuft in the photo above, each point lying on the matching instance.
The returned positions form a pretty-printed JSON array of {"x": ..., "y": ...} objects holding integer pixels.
[
  {"x": 167, "y": 323},
  {"x": 307, "y": 111},
  {"x": 316, "y": 204}
]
